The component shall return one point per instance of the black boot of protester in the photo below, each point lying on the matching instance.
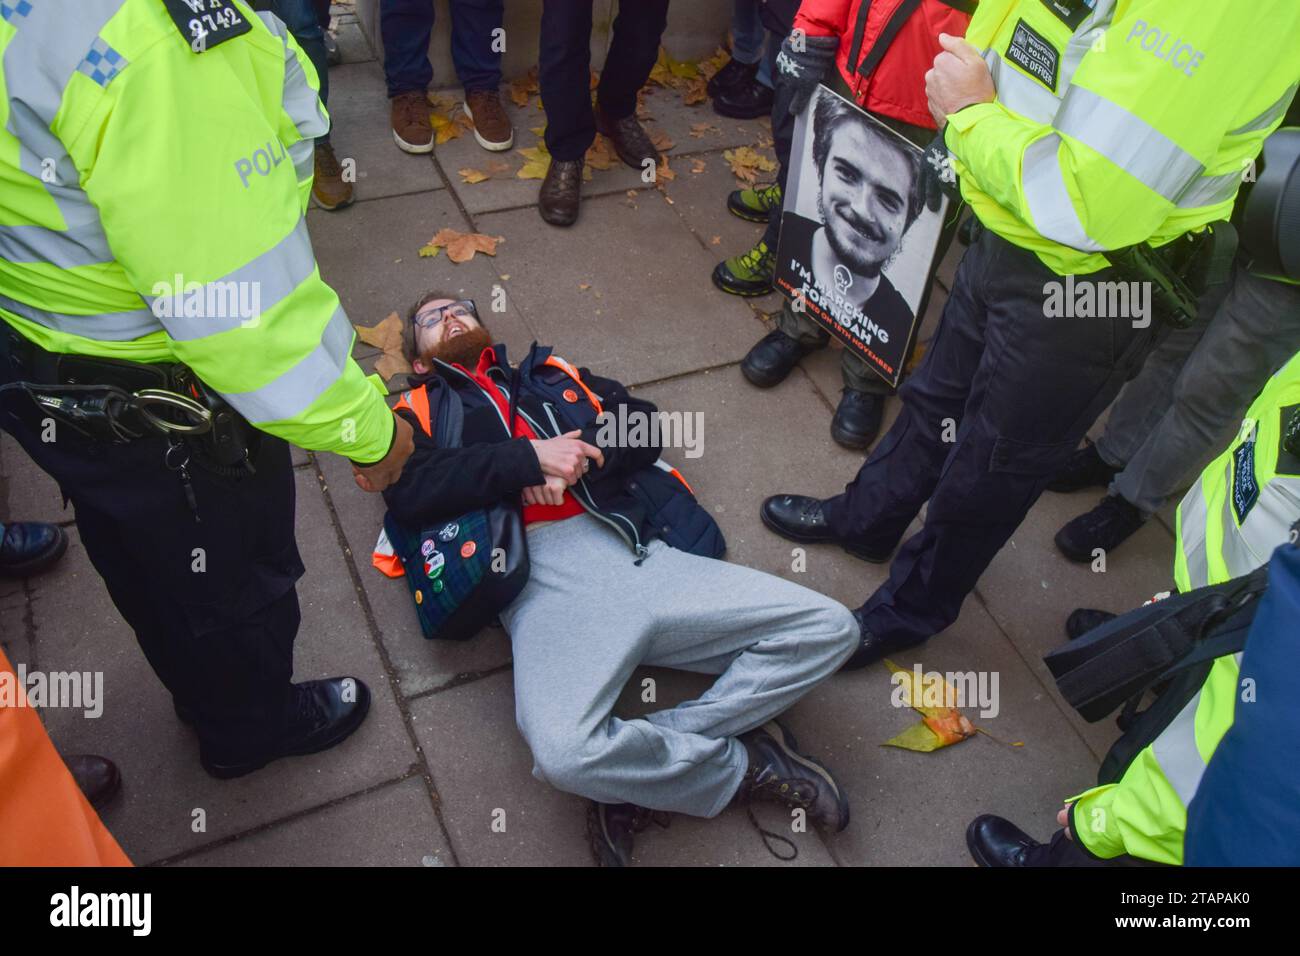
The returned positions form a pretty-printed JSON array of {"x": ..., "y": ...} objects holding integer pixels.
[
  {"x": 612, "y": 830},
  {"x": 779, "y": 773}
]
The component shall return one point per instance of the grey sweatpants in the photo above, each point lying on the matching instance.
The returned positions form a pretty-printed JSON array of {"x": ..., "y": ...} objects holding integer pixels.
[
  {"x": 589, "y": 616},
  {"x": 1188, "y": 400}
]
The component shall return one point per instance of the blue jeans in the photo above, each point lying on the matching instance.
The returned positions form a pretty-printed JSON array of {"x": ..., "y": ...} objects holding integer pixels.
[
  {"x": 748, "y": 36},
  {"x": 406, "y": 26},
  {"x": 301, "y": 17}
]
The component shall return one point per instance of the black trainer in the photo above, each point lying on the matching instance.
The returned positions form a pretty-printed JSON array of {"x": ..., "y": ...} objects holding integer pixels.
[
  {"x": 612, "y": 829},
  {"x": 733, "y": 74},
  {"x": 1106, "y": 526},
  {"x": 323, "y": 713},
  {"x": 857, "y": 419},
  {"x": 1084, "y": 619},
  {"x": 778, "y": 772},
  {"x": 749, "y": 101},
  {"x": 800, "y": 518},
  {"x": 1083, "y": 469},
  {"x": 772, "y": 359}
]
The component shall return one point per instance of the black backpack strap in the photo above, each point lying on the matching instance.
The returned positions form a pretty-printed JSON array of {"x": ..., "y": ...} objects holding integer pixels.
[
  {"x": 1120, "y": 659},
  {"x": 881, "y": 46}
]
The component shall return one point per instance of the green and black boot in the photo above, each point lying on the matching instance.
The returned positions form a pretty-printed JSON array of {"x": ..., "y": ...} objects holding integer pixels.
[
  {"x": 754, "y": 202},
  {"x": 748, "y": 274}
]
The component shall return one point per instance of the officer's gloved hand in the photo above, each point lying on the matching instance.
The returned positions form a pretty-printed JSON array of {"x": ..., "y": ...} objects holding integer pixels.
[
  {"x": 938, "y": 177},
  {"x": 802, "y": 63}
]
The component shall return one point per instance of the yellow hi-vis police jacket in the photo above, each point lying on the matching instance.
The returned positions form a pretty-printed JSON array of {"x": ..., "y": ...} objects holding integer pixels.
[
  {"x": 1119, "y": 121},
  {"x": 1239, "y": 510},
  {"x": 155, "y": 165}
]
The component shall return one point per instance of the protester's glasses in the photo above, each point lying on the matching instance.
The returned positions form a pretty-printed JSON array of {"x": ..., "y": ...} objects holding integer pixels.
[{"x": 464, "y": 309}]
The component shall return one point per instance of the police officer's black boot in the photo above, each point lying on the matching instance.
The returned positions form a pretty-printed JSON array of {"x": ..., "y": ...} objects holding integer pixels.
[
  {"x": 1084, "y": 468},
  {"x": 993, "y": 841},
  {"x": 1104, "y": 528},
  {"x": 857, "y": 419},
  {"x": 29, "y": 547},
  {"x": 772, "y": 359},
  {"x": 800, "y": 518},
  {"x": 1084, "y": 619},
  {"x": 871, "y": 646},
  {"x": 321, "y": 713}
]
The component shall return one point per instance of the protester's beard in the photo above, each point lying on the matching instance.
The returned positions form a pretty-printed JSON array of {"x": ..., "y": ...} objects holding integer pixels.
[
  {"x": 848, "y": 253},
  {"x": 462, "y": 350}
]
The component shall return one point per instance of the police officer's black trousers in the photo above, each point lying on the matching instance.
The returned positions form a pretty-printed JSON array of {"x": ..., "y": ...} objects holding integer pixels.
[
  {"x": 212, "y": 602},
  {"x": 1002, "y": 398}
]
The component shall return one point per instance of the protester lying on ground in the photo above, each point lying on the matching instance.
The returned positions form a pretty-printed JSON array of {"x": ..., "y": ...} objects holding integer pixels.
[{"x": 622, "y": 573}]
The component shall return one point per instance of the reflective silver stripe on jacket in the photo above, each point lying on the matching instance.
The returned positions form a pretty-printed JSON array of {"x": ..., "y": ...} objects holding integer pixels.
[
  {"x": 1132, "y": 144},
  {"x": 1270, "y": 116},
  {"x": 1176, "y": 752},
  {"x": 105, "y": 327},
  {"x": 50, "y": 43},
  {"x": 1191, "y": 535},
  {"x": 301, "y": 102},
  {"x": 1049, "y": 203},
  {"x": 271, "y": 277},
  {"x": 292, "y": 393}
]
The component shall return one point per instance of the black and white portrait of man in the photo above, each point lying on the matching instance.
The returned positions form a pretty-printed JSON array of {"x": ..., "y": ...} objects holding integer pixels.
[{"x": 851, "y": 211}]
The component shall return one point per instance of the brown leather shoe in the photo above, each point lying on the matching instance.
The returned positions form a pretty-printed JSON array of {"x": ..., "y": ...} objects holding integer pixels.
[
  {"x": 328, "y": 188},
  {"x": 630, "y": 140},
  {"x": 97, "y": 777},
  {"x": 409, "y": 115},
  {"x": 558, "y": 199},
  {"x": 491, "y": 125}
]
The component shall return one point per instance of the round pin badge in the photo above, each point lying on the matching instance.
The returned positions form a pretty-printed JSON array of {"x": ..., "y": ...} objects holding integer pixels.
[
  {"x": 438, "y": 586},
  {"x": 570, "y": 396},
  {"x": 433, "y": 566},
  {"x": 419, "y": 597},
  {"x": 449, "y": 532},
  {"x": 467, "y": 549},
  {"x": 428, "y": 547}
]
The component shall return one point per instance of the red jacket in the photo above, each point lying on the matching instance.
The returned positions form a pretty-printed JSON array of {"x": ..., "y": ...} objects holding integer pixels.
[{"x": 896, "y": 86}]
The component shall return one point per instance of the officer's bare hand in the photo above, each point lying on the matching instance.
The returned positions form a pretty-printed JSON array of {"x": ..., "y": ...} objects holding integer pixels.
[
  {"x": 959, "y": 78},
  {"x": 388, "y": 469},
  {"x": 1063, "y": 818},
  {"x": 549, "y": 493},
  {"x": 566, "y": 457}
]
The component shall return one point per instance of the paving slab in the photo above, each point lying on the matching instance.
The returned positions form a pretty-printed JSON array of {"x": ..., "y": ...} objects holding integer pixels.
[
  {"x": 163, "y": 784},
  {"x": 543, "y": 826},
  {"x": 742, "y": 463},
  {"x": 360, "y": 131},
  {"x": 353, "y": 45},
  {"x": 649, "y": 311},
  {"x": 392, "y": 825},
  {"x": 505, "y": 190},
  {"x": 372, "y": 260},
  {"x": 700, "y": 199},
  {"x": 913, "y": 808},
  {"x": 30, "y": 494},
  {"x": 420, "y": 665}
]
